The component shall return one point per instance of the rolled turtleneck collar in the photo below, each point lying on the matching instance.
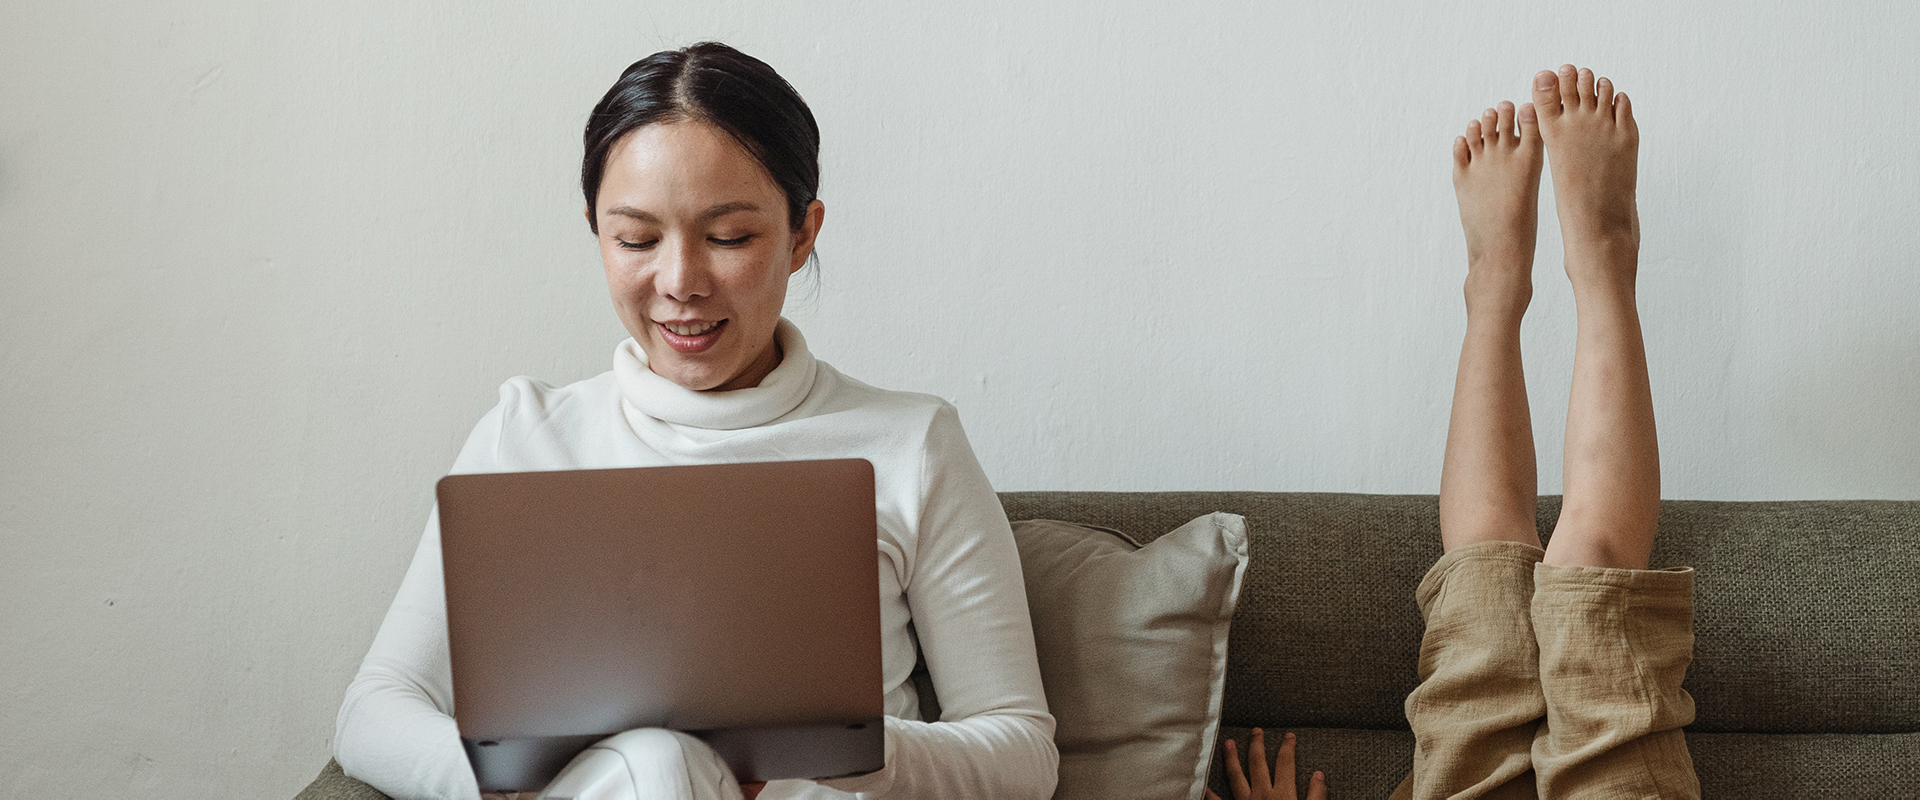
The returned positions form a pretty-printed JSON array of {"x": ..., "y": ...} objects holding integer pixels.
[{"x": 780, "y": 392}]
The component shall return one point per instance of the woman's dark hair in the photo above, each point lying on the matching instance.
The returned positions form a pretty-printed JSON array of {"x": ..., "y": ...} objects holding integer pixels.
[{"x": 716, "y": 84}]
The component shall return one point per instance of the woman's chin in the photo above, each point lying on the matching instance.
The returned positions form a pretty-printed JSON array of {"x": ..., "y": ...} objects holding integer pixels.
[
  {"x": 692, "y": 376},
  {"x": 716, "y": 369}
]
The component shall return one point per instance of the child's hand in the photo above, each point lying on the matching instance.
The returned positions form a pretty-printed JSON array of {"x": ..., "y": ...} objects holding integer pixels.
[{"x": 1262, "y": 784}]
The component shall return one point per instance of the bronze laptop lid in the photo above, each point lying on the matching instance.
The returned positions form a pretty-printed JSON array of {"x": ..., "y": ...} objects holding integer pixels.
[{"x": 588, "y": 602}]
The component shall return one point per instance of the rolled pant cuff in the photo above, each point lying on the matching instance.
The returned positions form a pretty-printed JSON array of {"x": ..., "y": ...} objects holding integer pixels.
[
  {"x": 1672, "y": 582},
  {"x": 1521, "y": 554}
]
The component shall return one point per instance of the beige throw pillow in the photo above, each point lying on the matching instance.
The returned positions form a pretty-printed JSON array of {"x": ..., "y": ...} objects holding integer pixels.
[{"x": 1133, "y": 649}]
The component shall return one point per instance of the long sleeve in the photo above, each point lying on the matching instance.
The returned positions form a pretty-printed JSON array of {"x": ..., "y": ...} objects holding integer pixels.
[
  {"x": 395, "y": 729},
  {"x": 995, "y": 737}
]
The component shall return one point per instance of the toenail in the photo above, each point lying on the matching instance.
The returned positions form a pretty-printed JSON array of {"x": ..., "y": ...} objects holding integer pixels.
[{"x": 1543, "y": 81}]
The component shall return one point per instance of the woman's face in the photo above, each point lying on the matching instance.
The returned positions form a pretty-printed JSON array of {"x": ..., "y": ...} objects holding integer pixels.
[{"x": 697, "y": 246}]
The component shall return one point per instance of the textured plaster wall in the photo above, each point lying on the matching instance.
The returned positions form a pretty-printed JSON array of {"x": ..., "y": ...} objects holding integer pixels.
[{"x": 262, "y": 264}]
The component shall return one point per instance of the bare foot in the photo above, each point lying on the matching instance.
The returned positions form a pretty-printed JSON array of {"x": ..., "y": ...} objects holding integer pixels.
[
  {"x": 1496, "y": 175},
  {"x": 1593, "y": 146}
]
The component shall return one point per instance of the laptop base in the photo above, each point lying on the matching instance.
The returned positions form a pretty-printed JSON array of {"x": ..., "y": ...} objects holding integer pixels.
[
  {"x": 754, "y": 754},
  {"x": 523, "y": 765},
  {"x": 806, "y": 751}
]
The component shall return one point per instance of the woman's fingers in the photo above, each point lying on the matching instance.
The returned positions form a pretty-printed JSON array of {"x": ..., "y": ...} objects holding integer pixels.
[
  {"x": 1261, "y": 779},
  {"x": 1211, "y": 796},
  {"x": 1317, "y": 788},
  {"x": 1283, "y": 768},
  {"x": 1237, "y": 777}
]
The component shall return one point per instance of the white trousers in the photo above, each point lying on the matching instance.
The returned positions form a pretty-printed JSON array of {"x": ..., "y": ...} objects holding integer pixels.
[{"x": 645, "y": 764}]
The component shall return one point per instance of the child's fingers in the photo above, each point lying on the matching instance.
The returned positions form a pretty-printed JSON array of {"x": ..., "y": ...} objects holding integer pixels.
[
  {"x": 1237, "y": 777},
  {"x": 1317, "y": 788},
  {"x": 1283, "y": 778},
  {"x": 1257, "y": 758}
]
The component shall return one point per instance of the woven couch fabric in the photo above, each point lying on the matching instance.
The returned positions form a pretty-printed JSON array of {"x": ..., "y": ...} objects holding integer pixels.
[
  {"x": 334, "y": 784},
  {"x": 1369, "y": 764},
  {"x": 1807, "y": 614}
]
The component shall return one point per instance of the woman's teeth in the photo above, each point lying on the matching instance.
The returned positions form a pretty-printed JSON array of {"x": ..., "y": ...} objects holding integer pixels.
[{"x": 691, "y": 330}]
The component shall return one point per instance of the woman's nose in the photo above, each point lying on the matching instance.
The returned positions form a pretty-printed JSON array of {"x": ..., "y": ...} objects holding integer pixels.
[{"x": 681, "y": 272}]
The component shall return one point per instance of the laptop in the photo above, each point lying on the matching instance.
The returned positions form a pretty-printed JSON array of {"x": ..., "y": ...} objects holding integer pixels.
[{"x": 739, "y": 603}]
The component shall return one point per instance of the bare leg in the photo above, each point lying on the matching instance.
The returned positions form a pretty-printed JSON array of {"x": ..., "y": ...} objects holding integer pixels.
[
  {"x": 1476, "y": 711},
  {"x": 1488, "y": 481},
  {"x": 1614, "y": 637},
  {"x": 1612, "y": 466}
]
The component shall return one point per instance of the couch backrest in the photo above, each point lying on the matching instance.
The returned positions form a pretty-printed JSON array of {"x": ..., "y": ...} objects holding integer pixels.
[{"x": 1806, "y": 613}]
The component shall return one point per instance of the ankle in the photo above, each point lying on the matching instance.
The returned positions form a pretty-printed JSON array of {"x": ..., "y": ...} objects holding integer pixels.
[
  {"x": 1613, "y": 230},
  {"x": 1604, "y": 267}
]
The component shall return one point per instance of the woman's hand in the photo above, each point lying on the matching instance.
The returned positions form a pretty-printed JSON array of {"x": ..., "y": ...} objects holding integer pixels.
[{"x": 1262, "y": 784}]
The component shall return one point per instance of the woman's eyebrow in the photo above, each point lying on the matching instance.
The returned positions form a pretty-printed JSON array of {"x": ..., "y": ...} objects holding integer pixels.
[
  {"x": 723, "y": 209},
  {"x": 630, "y": 211},
  {"x": 712, "y": 212}
]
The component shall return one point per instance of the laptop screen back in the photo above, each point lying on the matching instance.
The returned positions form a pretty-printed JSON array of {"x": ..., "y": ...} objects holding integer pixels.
[{"x": 692, "y": 597}]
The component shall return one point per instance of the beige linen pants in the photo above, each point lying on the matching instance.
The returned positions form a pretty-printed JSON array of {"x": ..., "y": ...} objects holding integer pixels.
[{"x": 1544, "y": 680}]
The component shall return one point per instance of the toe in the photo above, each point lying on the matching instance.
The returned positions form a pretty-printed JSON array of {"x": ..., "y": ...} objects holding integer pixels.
[
  {"x": 1623, "y": 113},
  {"x": 1475, "y": 139},
  {"x": 1461, "y": 153},
  {"x": 1529, "y": 123},
  {"x": 1546, "y": 93},
  {"x": 1490, "y": 125},
  {"x": 1603, "y": 92},
  {"x": 1583, "y": 82},
  {"x": 1507, "y": 131},
  {"x": 1569, "y": 86}
]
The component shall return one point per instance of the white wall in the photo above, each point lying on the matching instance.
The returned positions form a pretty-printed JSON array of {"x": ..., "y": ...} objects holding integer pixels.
[{"x": 265, "y": 263}]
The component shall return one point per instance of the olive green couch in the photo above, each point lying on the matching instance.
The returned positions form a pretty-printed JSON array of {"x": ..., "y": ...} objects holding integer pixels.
[{"x": 1806, "y": 671}]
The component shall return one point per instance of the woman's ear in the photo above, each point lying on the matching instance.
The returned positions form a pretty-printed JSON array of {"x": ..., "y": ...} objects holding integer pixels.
[
  {"x": 804, "y": 238},
  {"x": 589, "y": 215}
]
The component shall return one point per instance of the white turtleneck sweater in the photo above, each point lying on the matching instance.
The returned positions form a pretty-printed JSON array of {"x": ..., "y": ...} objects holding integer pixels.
[{"x": 947, "y": 566}]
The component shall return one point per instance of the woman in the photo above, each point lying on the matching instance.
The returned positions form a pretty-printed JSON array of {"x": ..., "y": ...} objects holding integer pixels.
[{"x": 700, "y": 172}]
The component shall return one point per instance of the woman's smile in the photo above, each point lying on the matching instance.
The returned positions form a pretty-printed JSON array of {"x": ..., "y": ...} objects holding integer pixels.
[{"x": 690, "y": 336}]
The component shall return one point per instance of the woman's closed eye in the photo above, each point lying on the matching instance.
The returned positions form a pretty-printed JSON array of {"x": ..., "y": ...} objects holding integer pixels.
[{"x": 649, "y": 243}]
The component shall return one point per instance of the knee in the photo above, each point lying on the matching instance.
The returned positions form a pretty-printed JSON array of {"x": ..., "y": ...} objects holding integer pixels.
[
  {"x": 643, "y": 763},
  {"x": 1573, "y": 546},
  {"x": 647, "y": 744}
]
